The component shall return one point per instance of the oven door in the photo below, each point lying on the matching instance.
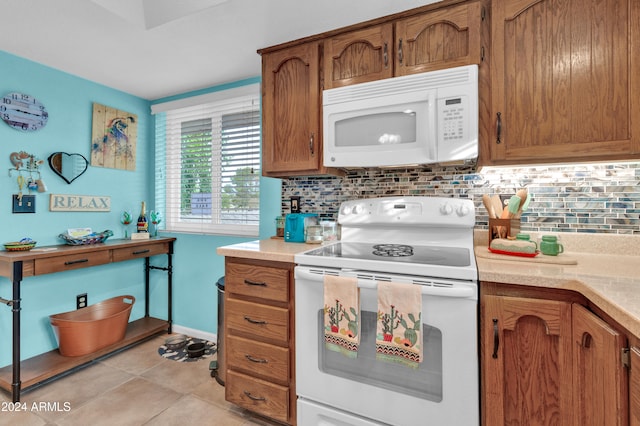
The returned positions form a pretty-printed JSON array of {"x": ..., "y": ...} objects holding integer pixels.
[{"x": 442, "y": 390}]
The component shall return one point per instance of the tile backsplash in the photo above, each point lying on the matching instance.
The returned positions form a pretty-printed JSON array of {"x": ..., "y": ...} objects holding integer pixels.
[{"x": 597, "y": 198}]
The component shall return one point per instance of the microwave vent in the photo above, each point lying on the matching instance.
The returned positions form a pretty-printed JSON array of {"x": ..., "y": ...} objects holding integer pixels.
[{"x": 403, "y": 84}]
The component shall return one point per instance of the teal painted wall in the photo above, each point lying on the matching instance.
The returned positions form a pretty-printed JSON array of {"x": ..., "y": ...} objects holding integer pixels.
[{"x": 69, "y": 102}]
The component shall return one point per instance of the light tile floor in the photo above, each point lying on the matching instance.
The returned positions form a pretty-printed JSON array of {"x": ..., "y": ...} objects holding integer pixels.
[{"x": 134, "y": 387}]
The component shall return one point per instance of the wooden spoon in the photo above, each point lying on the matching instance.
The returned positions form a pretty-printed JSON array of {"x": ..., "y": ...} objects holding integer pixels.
[
  {"x": 497, "y": 206},
  {"x": 486, "y": 200}
]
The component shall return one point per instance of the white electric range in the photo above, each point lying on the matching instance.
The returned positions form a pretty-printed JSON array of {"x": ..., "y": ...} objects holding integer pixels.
[{"x": 425, "y": 241}]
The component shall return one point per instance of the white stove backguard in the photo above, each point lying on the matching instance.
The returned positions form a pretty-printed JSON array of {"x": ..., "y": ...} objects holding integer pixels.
[{"x": 418, "y": 220}]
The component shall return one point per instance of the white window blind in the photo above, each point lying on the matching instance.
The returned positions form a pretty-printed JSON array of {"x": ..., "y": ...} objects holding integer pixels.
[{"x": 208, "y": 164}]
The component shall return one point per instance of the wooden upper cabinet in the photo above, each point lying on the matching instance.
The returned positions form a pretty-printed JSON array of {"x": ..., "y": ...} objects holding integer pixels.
[
  {"x": 294, "y": 74},
  {"x": 358, "y": 56},
  {"x": 565, "y": 78},
  {"x": 599, "y": 378},
  {"x": 444, "y": 38},
  {"x": 440, "y": 38},
  {"x": 291, "y": 111}
]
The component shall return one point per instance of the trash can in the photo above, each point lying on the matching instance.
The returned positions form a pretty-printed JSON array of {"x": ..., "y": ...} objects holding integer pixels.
[{"x": 217, "y": 367}]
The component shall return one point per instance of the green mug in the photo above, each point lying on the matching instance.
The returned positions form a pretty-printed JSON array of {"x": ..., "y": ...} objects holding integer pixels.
[{"x": 550, "y": 245}]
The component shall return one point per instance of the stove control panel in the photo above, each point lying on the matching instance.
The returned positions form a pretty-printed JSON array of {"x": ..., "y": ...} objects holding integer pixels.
[{"x": 419, "y": 210}]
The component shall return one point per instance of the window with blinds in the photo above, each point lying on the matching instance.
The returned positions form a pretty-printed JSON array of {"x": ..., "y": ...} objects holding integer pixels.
[{"x": 208, "y": 163}]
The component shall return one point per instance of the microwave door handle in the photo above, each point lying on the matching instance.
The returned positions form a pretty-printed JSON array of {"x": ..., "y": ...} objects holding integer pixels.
[{"x": 432, "y": 122}]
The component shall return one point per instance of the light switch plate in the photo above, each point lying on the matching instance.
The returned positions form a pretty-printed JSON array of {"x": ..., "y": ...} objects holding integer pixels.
[
  {"x": 295, "y": 204},
  {"x": 25, "y": 205}
]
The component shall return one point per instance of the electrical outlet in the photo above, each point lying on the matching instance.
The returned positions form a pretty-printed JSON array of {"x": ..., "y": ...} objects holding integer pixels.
[
  {"x": 81, "y": 301},
  {"x": 24, "y": 204},
  {"x": 295, "y": 204}
]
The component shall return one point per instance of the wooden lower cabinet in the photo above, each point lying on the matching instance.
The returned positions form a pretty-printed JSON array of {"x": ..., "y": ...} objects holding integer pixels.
[
  {"x": 259, "y": 337},
  {"x": 526, "y": 357},
  {"x": 553, "y": 362},
  {"x": 634, "y": 387},
  {"x": 263, "y": 397},
  {"x": 599, "y": 378}
]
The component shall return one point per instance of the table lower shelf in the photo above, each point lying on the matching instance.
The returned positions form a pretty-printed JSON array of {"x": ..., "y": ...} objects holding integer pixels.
[{"x": 50, "y": 364}]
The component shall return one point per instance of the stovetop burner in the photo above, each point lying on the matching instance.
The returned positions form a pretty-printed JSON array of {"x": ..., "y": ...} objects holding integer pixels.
[{"x": 392, "y": 250}]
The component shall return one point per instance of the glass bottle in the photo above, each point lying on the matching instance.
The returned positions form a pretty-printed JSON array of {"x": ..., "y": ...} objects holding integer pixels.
[{"x": 143, "y": 224}]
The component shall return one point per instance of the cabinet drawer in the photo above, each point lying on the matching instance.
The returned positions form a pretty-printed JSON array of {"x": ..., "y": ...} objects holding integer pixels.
[
  {"x": 70, "y": 261},
  {"x": 257, "y": 395},
  {"x": 258, "y": 358},
  {"x": 261, "y": 321},
  {"x": 138, "y": 252},
  {"x": 257, "y": 281}
]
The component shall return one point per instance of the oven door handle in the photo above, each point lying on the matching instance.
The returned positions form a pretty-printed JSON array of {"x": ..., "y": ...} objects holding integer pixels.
[
  {"x": 462, "y": 292},
  {"x": 458, "y": 292}
]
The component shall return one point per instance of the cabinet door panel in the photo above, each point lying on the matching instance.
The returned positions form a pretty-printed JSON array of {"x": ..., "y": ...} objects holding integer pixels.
[
  {"x": 260, "y": 396},
  {"x": 258, "y": 359},
  {"x": 634, "y": 387},
  {"x": 291, "y": 110},
  {"x": 526, "y": 361},
  {"x": 599, "y": 378},
  {"x": 258, "y": 321},
  {"x": 563, "y": 79},
  {"x": 439, "y": 39},
  {"x": 50, "y": 265},
  {"x": 257, "y": 281},
  {"x": 358, "y": 56}
]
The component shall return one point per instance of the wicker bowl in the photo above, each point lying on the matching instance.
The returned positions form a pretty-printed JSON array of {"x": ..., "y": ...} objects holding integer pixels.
[
  {"x": 93, "y": 238},
  {"x": 19, "y": 246}
]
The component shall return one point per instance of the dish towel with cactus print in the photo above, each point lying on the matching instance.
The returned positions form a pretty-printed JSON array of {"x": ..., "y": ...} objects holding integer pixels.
[
  {"x": 342, "y": 315},
  {"x": 399, "y": 329}
]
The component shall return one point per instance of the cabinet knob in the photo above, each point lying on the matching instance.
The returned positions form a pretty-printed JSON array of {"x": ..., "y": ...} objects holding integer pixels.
[
  {"x": 255, "y": 398},
  {"x": 311, "y": 144},
  {"x": 496, "y": 339},
  {"x": 252, "y": 321},
  {"x": 255, "y": 283},
  {"x": 385, "y": 55},
  {"x": 400, "y": 53},
  {"x": 256, "y": 360}
]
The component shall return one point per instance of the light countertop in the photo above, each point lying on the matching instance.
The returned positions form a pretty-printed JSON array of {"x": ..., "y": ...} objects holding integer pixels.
[
  {"x": 274, "y": 249},
  {"x": 606, "y": 269},
  {"x": 607, "y": 272}
]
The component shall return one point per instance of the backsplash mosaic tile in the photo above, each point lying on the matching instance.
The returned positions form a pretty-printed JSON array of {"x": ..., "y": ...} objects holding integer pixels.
[{"x": 597, "y": 198}]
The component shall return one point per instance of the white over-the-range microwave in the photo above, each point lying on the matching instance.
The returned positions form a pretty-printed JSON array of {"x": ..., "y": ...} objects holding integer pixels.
[{"x": 417, "y": 119}]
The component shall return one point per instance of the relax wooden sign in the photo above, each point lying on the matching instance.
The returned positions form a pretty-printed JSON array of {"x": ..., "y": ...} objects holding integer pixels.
[{"x": 79, "y": 203}]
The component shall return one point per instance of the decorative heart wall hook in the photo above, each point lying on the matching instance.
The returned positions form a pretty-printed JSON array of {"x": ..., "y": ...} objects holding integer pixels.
[{"x": 68, "y": 166}]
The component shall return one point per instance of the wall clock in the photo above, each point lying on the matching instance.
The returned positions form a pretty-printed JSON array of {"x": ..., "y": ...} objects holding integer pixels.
[{"x": 23, "y": 112}]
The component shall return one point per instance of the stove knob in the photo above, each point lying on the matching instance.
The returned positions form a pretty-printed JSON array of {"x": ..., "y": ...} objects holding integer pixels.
[
  {"x": 346, "y": 210},
  {"x": 446, "y": 209},
  {"x": 463, "y": 210}
]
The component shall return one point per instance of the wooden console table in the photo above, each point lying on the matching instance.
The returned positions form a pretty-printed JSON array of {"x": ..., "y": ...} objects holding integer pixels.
[{"x": 18, "y": 265}]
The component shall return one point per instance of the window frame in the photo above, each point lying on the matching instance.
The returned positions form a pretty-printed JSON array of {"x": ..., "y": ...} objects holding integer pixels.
[{"x": 168, "y": 193}]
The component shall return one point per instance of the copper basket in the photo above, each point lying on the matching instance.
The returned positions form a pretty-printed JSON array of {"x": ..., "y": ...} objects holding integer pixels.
[{"x": 89, "y": 329}]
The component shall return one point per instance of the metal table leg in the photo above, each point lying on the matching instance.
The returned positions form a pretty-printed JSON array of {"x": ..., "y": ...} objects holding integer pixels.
[{"x": 15, "y": 308}]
